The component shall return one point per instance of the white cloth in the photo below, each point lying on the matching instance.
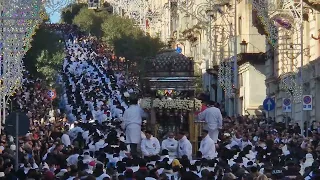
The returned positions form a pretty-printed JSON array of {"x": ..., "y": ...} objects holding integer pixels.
[
  {"x": 184, "y": 148},
  {"x": 132, "y": 120},
  {"x": 213, "y": 118},
  {"x": 150, "y": 147},
  {"x": 73, "y": 159},
  {"x": 208, "y": 148},
  {"x": 65, "y": 139},
  {"x": 214, "y": 134},
  {"x": 171, "y": 145}
]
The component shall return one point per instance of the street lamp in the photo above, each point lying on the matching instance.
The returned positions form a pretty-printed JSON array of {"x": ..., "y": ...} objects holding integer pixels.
[{"x": 244, "y": 46}]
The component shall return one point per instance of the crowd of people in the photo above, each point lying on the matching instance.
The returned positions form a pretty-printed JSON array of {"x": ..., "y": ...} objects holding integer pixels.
[{"x": 99, "y": 133}]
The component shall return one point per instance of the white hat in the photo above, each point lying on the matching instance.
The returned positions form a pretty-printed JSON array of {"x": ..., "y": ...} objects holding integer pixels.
[
  {"x": 126, "y": 94},
  {"x": 45, "y": 166},
  {"x": 122, "y": 139},
  {"x": 13, "y": 147}
]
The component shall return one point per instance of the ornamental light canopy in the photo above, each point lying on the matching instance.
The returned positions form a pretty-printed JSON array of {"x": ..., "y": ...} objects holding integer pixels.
[{"x": 19, "y": 18}]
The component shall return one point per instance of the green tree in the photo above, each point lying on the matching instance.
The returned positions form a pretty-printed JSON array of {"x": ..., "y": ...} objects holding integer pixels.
[
  {"x": 71, "y": 11},
  {"x": 129, "y": 41},
  {"x": 90, "y": 21},
  {"x": 48, "y": 65},
  {"x": 114, "y": 27},
  {"x": 43, "y": 40},
  {"x": 137, "y": 48}
]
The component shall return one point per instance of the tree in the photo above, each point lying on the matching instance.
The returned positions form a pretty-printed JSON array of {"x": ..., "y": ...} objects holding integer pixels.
[
  {"x": 48, "y": 65},
  {"x": 129, "y": 41},
  {"x": 114, "y": 27},
  {"x": 43, "y": 40},
  {"x": 90, "y": 21},
  {"x": 71, "y": 11},
  {"x": 137, "y": 48}
]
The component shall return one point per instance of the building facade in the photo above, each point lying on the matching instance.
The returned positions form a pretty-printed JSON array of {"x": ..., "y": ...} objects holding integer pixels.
[
  {"x": 309, "y": 74},
  {"x": 210, "y": 33}
]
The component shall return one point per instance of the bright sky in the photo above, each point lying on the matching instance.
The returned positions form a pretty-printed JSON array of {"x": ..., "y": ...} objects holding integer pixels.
[{"x": 55, "y": 17}]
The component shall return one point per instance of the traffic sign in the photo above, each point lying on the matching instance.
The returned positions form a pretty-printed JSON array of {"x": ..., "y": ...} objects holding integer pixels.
[
  {"x": 307, "y": 103},
  {"x": 52, "y": 94},
  {"x": 269, "y": 104},
  {"x": 179, "y": 50},
  {"x": 286, "y": 105}
]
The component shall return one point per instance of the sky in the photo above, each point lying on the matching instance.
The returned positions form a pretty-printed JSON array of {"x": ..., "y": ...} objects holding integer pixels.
[
  {"x": 55, "y": 17},
  {"x": 57, "y": 5}
]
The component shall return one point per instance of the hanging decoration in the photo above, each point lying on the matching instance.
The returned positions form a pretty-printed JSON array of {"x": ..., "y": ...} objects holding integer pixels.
[
  {"x": 53, "y": 6},
  {"x": 282, "y": 21},
  {"x": 181, "y": 104},
  {"x": 19, "y": 19},
  {"x": 225, "y": 76}
]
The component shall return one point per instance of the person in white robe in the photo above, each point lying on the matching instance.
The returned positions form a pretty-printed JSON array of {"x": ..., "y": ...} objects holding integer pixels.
[
  {"x": 131, "y": 123},
  {"x": 207, "y": 146},
  {"x": 213, "y": 119},
  {"x": 150, "y": 146},
  {"x": 65, "y": 139},
  {"x": 171, "y": 145},
  {"x": 184, "y": 146}
]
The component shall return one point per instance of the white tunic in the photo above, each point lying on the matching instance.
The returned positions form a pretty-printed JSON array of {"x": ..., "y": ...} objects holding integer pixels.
[
  {"x": 171, "y": 145},
  {"x": 212, "y": 117},
  {"x": 208, "y": 148},
  {"x": 132, "y": 120},
  {"x": 150, "y": 147},
  {"x": 65, "y": 139},
  {"x": 184, "y": 148}
]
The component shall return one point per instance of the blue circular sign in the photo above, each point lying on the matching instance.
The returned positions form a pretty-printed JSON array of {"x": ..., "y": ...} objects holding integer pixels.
[
  {"x": 179, "y": 50},
  {"x": 286, "y": 102},
  {"x": 307, "y": 99},
  {"x": 269, "y": 104},
  {"x": 51, "y": 94}
]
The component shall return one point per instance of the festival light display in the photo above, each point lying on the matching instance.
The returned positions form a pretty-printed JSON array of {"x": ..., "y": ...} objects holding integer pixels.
[
  {"x": 283, "y": 24},
  {"x": 53, "y": 6},
  {"x": 19, "y": 19},
  {"x": 217, "y": 17}
]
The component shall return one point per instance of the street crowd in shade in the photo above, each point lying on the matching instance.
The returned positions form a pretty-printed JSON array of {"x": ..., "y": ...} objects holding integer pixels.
[{"x": 98, "y": 133}]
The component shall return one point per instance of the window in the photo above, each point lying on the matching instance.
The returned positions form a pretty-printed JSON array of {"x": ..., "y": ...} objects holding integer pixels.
[
  {"x": 239, "y": 25},
  {"x": 241, "y": 80}
]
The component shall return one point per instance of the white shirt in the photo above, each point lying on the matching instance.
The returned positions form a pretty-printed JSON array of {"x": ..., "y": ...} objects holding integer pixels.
[
  {"x": 133, "y": 115},
  {"x": 184, "y": 147},
  {"x": 65, "y": 139},
  {"x": 171, "y": 145},
  {"x": 150, "y": 146},
  {"x": 73, "y": 159},
  {"x": 208, "y": 148},
  {"x": 212, "y": 117}
]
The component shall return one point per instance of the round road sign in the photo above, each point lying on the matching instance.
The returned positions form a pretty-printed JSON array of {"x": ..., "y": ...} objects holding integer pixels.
[
  {"x": 51, "y": 94},
  {"x": 286, "y": 102},
  {"x": 307, "y": 99}
]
